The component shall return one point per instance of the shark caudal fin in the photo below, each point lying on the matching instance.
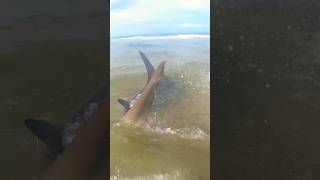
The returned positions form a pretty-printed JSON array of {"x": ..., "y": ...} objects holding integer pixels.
[
  {"x": 148, "y": 65},
  {"x": 49, "y": 134},
  {"x": 125, "y": 104},
  {"x": 150, "y": 71}
]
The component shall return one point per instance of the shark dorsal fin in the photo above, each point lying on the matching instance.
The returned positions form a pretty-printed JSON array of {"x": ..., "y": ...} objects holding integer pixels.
[
  {"x": 49, "y": 134},
  {"x": 124, "y": 103},
  {"x": 148, "y": 65}
]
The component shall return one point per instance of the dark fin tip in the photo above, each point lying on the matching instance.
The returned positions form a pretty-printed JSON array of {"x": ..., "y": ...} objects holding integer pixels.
[
  {"x": 148, "y": 65},
  {"x": 49, "y": 134},
  {"x": 124, "y": 103}
]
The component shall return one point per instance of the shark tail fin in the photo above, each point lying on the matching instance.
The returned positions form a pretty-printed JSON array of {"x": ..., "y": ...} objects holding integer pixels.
[
  {"x": 148, "y": 65},
  {"x": 49, "y": 134},
  {"x": 124, "y": 103}
]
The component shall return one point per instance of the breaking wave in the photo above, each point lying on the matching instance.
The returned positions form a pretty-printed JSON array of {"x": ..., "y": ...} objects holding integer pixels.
[{"x": 158, "y": 37}]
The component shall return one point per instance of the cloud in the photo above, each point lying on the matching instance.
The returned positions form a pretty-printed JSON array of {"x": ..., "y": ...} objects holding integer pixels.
[
  {"x": 121, "y": 4},
  {"x": 126, "y": 15},
  {"x": 194, "y": 4},
  {"x": 112, "y": 2},
  {"x": 193, "y": 25}
]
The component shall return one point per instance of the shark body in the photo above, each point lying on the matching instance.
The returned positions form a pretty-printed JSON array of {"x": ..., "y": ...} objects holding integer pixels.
[
  {"x": 78, "y": 145},
  {"x": 137, "y": 108},
  {"x": 129, "y": 104}
]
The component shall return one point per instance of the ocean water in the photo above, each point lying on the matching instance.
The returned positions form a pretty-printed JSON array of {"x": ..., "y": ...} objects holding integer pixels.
[
  {"x": 47, "y": 80},
  {"x": 177, "y": 146}
]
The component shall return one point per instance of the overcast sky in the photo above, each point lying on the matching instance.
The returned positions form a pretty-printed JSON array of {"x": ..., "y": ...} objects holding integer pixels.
[{"x": 138, "y": 17}]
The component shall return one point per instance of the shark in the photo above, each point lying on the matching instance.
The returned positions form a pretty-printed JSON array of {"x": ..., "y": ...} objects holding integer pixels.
[
  {"x": 79, "y": 145},
  {"x": 137, "y": 108}
]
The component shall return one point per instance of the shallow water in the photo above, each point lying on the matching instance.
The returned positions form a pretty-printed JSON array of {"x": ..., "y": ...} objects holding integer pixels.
[
  {"x": 38, "y": 82},
  {"x": 266, "y": 122},
  {"x": 177, "y": 145}
]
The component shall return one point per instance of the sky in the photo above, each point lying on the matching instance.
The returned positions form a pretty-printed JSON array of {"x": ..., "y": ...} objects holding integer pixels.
[{"x": 140, "y": 17}]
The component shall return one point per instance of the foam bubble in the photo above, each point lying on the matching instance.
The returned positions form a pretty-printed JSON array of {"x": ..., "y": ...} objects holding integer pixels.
[
  {"x": 183, "y": 133},
  {"x": 161, "y": 176}
]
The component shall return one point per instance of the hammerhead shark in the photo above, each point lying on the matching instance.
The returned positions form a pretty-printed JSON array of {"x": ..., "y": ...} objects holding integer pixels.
[
  {"x": 79, "y": 145},
  {"x": 137, "y": 108}
]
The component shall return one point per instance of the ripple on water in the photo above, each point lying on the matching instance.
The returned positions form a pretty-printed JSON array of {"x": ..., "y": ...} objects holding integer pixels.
[{"x": 176, "y": 146}]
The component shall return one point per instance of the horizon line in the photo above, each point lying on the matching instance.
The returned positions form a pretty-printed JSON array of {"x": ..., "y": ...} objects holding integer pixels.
[{"x": 128, "y": 36}]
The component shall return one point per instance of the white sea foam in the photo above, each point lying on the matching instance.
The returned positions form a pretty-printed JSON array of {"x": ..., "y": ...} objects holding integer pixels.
[
  {"x": 161, "y": 176},
  {"x": 183, "y": 133},
  {"x": 177, "y": 36}
]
